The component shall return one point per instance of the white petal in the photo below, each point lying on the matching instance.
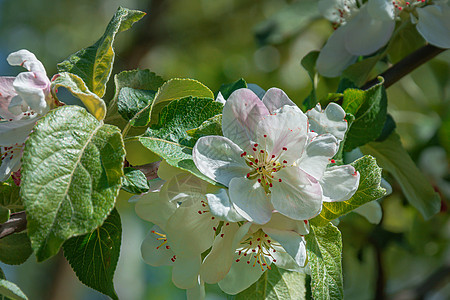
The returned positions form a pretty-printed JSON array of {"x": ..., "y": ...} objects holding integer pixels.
[
  {"x": 185, "y": 271},
  {"x": 250, "y": 200},
  {"x": 339, "y": 183},
  {"x": 318, "y": 154},
  {"x": 186, "y": 186},
  {"x": 197, "y": 292},
  {"x": 221, "y": 206},
  {"x": 26, "y": 59},
  {"x": 287, "y": 129},
  {"x": 219, "y": 158},
  {"x": 218, "y": 262},
  {"x": 7, "y": 92},
  {"x": 33, "y": 88},
  {"x": 371, "y": 211},
  {"x": 331, "y": 120},
  {"x": 9, "y": 165},
  {"x": 334, "y": 56},
  {"x": 292, "y": 242},
  {"x": 298, "y": 196},
  {"x": 17, "y": 131},
  {"x": 220, "y": 98},
  {"x": 191, "y": 232},
  {"x": 241, "y": 113},
  {"x": 434, "y": 24},
  {"x": 152, "y": 252},
  {"x": 381, "y": 10},
  {"x": 364, "y": 34},
  {"x": 155, "y": 208},
  {"x": 275, "y": 98},
  {"x": 281, "y": 222}
]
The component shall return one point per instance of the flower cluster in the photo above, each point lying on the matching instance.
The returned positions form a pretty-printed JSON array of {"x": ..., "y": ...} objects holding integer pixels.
[
  {"x": 365, "y": 28},
  {"x": 23, "y": 100},
  {"x": 273, "y": 167}
]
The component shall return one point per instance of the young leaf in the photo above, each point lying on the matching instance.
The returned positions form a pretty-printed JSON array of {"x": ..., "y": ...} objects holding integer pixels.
[
  {"x": 393, "y": 158},
  {"x": 94, "y": 64},
  {"x": 368, "y": 190},
  {"x": 276, "y": 284},
  {"x": 134, "y": 105},
  {"x": 169, "y": 138},
  {"x": 369, "y": 108},
  {"x": 15, "y": 249},
  {"x": 227, "y": 89},
  {"x": 94, "y": 104},
  {"x": 134, "y": 181},
  {"x": 212, "y": 126},
  {"x": 309, "y": 64},
  {"x": 10, "y": 200},
  {"x": 324, "y": 248},
  {"x": 71, "y": 175},
  {"x": 94, "y": 256},
  {"x": 9, "y": 290},
  {"x": 174, "y": 89}
]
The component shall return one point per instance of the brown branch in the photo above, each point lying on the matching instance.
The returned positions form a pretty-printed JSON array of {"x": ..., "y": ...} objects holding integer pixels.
[
  {"x": 405, "y": 66},
  {"x": 16, "y": 223}
]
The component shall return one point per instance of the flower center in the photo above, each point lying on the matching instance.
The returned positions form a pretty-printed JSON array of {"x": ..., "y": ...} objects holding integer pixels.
[
  {"x": 256, "y": 248},
  {"x": 163, "y": 238},
  {"x": 342, "y": 11},
  {"x": 401, "y": 5},
  {"x": 205, "y": 212},
  {"x": 264, "y": 165},
  {"x": 8, "y": 151}
]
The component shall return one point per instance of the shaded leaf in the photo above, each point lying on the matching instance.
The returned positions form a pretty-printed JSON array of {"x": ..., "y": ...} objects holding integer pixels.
[
  {"x": 359, "y": 72},
  {"x": 227, "y": 89},
  {"x": 324, "y": 248},
  {"x": 309, "y": 64},
  {"x": 94, "y": 256},
  {"x": 405, "y": 41},
  {"x": 369, "y": 189},
  {"x": 94, "y": 64},
  {"x": 134, "y": 181},
  {"x": 393, "y": 158},
  {"x": 15, "y": 249},
  {"x": 134, "y": 105},
  {"x": 72, "y": 173}
]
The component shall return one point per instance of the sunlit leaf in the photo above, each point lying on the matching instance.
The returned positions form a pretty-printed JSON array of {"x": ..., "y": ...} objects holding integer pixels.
[
  {"x": 9, "y": 290},
  {"x": 134, "y": 181}
]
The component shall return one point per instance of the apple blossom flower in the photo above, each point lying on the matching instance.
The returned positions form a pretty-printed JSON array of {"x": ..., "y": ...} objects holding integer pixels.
[
  {"x": 272, "y": 158},
  {"x": 434, "y": 23},
  {"x": 23, "y": 100}
]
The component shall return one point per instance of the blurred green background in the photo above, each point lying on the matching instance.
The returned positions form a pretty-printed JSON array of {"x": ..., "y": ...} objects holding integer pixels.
[{"x": 262, "y": 41}]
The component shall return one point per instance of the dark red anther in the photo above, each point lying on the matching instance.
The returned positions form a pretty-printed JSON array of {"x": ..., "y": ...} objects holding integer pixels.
[
  {"x": 332, "y": 161},
  {"x": 255, "y": 145},
  {"x": 284, "y": 148}
]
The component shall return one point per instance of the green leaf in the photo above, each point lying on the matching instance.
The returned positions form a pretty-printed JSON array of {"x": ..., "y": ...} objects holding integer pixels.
[
  {"x": 9, "y": 290},
  {"x": 370, "y": 109},
  {"x": 10, "y": 200},
  {"x": 309, "y": 64},
  {"x": 134, "y": 181},
  {"x": 135, "y": 79},
  {"x": 394, "y": 159},
  {"x": 94, "y": 64},
  {"x": 227, "y": 89},
  {"x": 15, "y": 249},
  {"x": 169, "y": 139},
  {"x": 71, "y": 175},
  {"x": 94, "y": 104},
  {"x": 174, "y": 89},
  {"x": 405, "y": 41},
  {"x": 212, "y": 126},
  {"x": 368, "y": 190},
  {"x": 276, "y": 284},
  {"x": 324, "y": 248},
  {"x": 94, "y": 256},
  {"x": 134, "y": 105},
  {"x": 359, "y": 72}
]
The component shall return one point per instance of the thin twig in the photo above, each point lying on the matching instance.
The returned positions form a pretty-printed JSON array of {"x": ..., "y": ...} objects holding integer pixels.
[
  {"x": 16, "y": 223},
  {"x": 405, "y": 66}
]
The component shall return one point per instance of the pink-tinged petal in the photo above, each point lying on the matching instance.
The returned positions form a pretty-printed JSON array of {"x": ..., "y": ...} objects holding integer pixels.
[
  {"x": 283, "y": 134},
  {"x": 241, "y": 113},
  {"x": 155, "y": 208},
  {"x": 218, "y": 262},
  {"x": 293, "y": 243},
  {"x": 241, "y": 276},
  {"x": 339, "y": 183},
  {"x": 191, "y": 228},
  {"x": 434, "y": 24},
  {"x": 221, "y": 207},
  {"x": 33, "y": 89},
  {"x": 298, "y": 195},
  {"x": 27, "y": 60},
  {"x": 275, "y": 98},
  {"x": 318, "y": 154},
  {"x": 331, "y": 120},
  {"x": 365, "y": 34},
  {"x": 219, "y": 158},
  {"x": 153, "y": 251},
  {"x": 250, "y": 200},
  {"x": 281, "y": 222},
  {"x": 371, "y": 211},
  {"x": 16, "y": 132},
  {"x": 334, "y": 57},
  {"x": 7, "y": 92},
  {"x": 185, "y": 271}
]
